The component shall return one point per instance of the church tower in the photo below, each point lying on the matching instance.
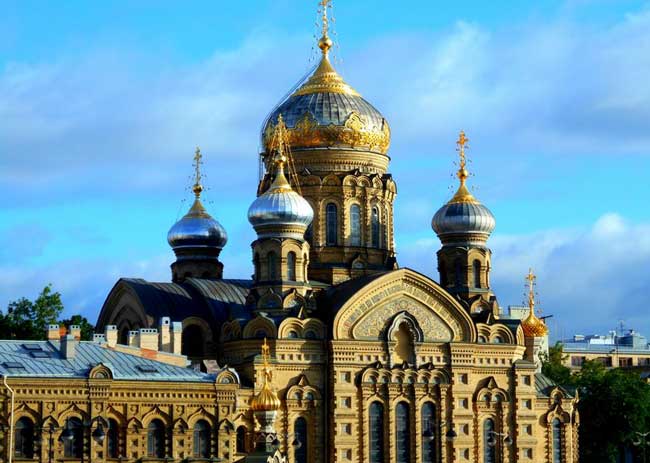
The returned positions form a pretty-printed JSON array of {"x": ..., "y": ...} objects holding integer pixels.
[
  {"x": 280, "y": 217},
  {"x": 338, "y": 144},
  {"x": 535, "y": 330},
  {"x": 464, "y": 226},
  {"x": 197, "y": 239}
]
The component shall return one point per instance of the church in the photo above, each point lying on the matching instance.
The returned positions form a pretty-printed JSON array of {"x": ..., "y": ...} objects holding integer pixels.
[{"x": 333, "y": 352}]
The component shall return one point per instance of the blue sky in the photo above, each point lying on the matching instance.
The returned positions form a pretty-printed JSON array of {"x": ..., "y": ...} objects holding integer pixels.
[{"x": 102, "y": 104}]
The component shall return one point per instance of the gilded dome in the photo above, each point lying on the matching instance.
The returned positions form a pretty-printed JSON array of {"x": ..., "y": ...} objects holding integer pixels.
[
  {"x": 280, "y": 211},
  {"x": 325, "y": 112},
  {"x": 533, "y": 327},
  {"x": 197, "y": 229},
  {"x": 266, "y": 400}
]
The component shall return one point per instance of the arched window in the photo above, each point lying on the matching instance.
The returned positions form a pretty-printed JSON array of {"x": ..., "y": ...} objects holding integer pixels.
[
  {"x": 202, "y": 439},
  {"x": 429, "y": 433},
  {"x": 309, "y": 233},
  {"x": 124, "y": 336},
  {"x": 192, "y": 342},
  {"x": 305, "y": 260},
  {"x": 331, "y": 225},
  {"x": 402, "y": 433},
  {"x": 24, "y": 438},
  {"x": 458, "y": 271},
  {"x": 156, "y": 439},
  {"x": 376, "y": 450},
  {"x": 557, "y": 441},
  {"x": 256, "y": 263},
  {"x": 291, "y": 266},
  {"x": 355, "y": 225},
  {"x": 241, "y": 439},
  {"x": 272, "y": 264},
  {"x": 73, "y": 445},
  {"x": 489, "y": 442},
  {"x": 477, "y": 273},
  {"x": 113, "y": 439},
  {"x": 375, "y": 227},
  {"x": 300, "y": 438}
]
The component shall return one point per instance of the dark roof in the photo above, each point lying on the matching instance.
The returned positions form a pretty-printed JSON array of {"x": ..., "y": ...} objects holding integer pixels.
[
  {"x": 544, "y": 385},
  {"x": 17, "y": 360}
]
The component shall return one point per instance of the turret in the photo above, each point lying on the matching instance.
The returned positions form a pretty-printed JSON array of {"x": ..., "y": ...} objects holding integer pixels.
[{"x": 535, "y": 330}]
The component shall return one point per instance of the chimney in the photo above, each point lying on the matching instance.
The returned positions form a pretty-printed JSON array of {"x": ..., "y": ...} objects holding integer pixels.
[
  {"x": 177, "y": 333},
  {"x": 75, "y": 330},
  {"x": 165, "y": 336},
  {"x": 99, "y": 338},
  {"x": 68, "y": 346},
  {"x": 53, "y": 333},
  {"x": 110, "y": 333},
  {"x": 134, "y": 338},
  {"x": 149, "y": 338}
]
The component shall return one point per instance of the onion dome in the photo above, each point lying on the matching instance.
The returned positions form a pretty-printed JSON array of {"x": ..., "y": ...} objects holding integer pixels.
[
  {"x": 280, "y": 211},
  {"x": 533, "y": 327},
  {"x": 463, "y": 220},
  {"x": 197, "y": 232},
  {"x": 325, "y": 112},
  {"x": 267, "y": 400}
]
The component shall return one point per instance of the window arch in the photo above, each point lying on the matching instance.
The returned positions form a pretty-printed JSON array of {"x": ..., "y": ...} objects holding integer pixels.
[
  {"x": 73, "y": 447},
  {"x": 156, "y": 439},
  {"x": 202, "y": 439},
  {"x": 192, "y": 341},
  {"x": 256, "y": 263},
  {"x": 376, "y": 442},
  {"x": 24, "y": 438},
  {"x": 331, "y": 224},
  {"x": 291, "y": 266},
  {"x": 489, "y": 442},
  {"x": 374, "y": 225},
  {"x": 300, "y": 435},
  {"x": 241, "y": 439},
  {"x": 557, "y": 441},
  {"x": 355, "y": 225},
  {"x": 430, "y": 433},
  {"x": 402, "y": 433},
  {"x": 458, "y": 272},
  {"x": 112, "y": 439},
  {"x": 272, "y": 264},
  {"x": 476, "y": 267}
]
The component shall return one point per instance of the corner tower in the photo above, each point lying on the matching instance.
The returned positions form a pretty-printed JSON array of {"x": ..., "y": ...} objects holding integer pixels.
[
  {"x": 338, "y": 158},
  {"x": 464, "y": 226}
]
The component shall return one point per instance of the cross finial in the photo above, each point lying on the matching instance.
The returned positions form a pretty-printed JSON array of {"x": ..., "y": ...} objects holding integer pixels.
[
  {"x": 198, "y": 160},
  {"x": 530, "y": 278},
  {"x": 265, "y": 359},
  {"x": 325, "y": 43},
  {"x": 462, "y": 142}
]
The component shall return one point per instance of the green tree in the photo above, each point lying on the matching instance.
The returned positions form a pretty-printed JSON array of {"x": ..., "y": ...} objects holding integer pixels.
[
  {"x": 87, "y": 328},
  {"x": 27, "y": 319},
  {"x": 553, "y": 366}
]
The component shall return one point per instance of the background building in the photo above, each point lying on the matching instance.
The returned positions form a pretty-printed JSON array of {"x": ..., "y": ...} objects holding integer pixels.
[{"x": 629, "y": 350}]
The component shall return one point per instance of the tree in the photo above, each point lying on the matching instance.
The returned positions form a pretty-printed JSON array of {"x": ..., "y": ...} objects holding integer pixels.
[
  {"x": 87, "y": 328},
  {"x": 553, "y": 366},
  {"x": 27, "y": 319}
]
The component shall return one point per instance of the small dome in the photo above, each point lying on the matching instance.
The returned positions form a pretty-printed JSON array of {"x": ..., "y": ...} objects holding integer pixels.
[
  {"x": 197, "y": 229},
  {"x": 280, "y": 211},
  {"x": 266, "y": 400},
  {"x": 533, "y": 327},
  {"x": 325, "y": 112}
]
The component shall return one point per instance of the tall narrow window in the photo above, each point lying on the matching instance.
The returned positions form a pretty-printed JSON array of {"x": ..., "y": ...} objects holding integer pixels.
[
  {"x": 192, "y": 343},
  {"x": 156, "y": 439},
  {"x": 332, "y": 224},
  {"x": 458, "y": 270},
  {"x": 355, "y": 225},
  {"x": 489, "y": 442},
  {"x": 375, "y": 228},
  {"x": 256, "y": 262},
  {"x": 202, "y": 439},
  {"x": 272, "y": 264},
  {"x": 291, "y": 266},
  {"x": 73, "y": 447},
  {"x": 429, "y": 432},
  {"x": 113, "y": 439},
  {"x": 477, "y": 273},
  {"x": 24, "y": 438},
  {"x": 376, "y": 450},
  {"x": 300, "y": 438},
  {"x": 241, "y": 439},
  {"x": 402, "y": 433},
  {"x": 557, "y": 441}
]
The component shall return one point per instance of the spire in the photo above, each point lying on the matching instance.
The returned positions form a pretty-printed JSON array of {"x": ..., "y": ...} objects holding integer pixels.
[
  {"x": 533, "y": 326},
  {"x": 267, "y": 399},
  {"x": 325, "y": 43},
  {"x": 462, "y": 194},
  {"x": 281, "y": 156},
  {"x": 198, "y": 161}
]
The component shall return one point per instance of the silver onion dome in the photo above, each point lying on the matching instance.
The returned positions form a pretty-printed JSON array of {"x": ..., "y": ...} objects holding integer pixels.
[
  {"x": 280, "y": 211},
  {"x": 197, "y": 229}
]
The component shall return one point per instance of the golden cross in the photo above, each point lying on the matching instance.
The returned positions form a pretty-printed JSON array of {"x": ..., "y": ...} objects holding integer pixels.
[
  {"x": 324, "y": 4},
  {"x": 198, "y": 188},
  {"x": 530, "y": 278},
  {"x": 462, "y": 141}
]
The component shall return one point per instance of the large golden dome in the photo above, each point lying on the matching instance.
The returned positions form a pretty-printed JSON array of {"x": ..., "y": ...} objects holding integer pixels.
[{"x": 326, "y": 112}]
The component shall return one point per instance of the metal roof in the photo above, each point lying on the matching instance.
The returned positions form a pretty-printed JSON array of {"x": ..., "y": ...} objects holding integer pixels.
[{"x": 88, "y": 355}]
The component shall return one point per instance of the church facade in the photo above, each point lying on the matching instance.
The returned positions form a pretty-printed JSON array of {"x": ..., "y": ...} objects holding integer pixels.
[{"x": 340, "y": 354}]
